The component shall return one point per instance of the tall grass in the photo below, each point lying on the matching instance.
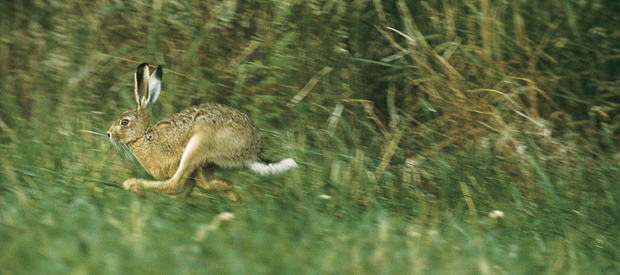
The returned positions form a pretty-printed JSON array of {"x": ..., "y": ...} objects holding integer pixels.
[{"x": 412, "y": 123}]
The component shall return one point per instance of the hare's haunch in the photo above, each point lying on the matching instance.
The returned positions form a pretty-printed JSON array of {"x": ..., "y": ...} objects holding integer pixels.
[{"x": 190, "y": 144}]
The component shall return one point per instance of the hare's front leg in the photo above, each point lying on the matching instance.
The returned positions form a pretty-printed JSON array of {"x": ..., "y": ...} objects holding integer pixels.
[
  {"x": 138, "y": 186},
  {"x": 178, "y": 185}
]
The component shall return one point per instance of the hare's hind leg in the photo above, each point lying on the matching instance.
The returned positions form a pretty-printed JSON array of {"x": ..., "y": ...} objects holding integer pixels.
[{"x": 205, "y": 184}]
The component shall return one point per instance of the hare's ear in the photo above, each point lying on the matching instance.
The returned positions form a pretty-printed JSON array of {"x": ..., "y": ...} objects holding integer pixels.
[
  {"x": 141, "y": 88},
  {"x": 155, "y": 84}
]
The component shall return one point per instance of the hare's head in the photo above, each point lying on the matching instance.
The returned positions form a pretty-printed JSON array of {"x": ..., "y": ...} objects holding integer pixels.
[{"x": 135, "y": 123}]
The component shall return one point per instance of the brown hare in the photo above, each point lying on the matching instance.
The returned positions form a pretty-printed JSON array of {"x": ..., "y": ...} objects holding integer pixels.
[{"x": 190, "y": 144}]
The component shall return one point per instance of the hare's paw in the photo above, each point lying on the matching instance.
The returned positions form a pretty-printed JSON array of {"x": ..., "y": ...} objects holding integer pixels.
[
  {"x": 232, "y": 196},
  {"x": 135, "y": 185}
]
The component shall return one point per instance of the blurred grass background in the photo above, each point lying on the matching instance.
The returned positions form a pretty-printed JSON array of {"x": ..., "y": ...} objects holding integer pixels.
[{"x": 411, "y": 121}]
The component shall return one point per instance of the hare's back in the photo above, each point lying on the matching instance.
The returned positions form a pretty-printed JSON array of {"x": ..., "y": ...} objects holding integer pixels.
[
  {"x": 231, "y": 136},
  {"x": 219, "y": 115}
]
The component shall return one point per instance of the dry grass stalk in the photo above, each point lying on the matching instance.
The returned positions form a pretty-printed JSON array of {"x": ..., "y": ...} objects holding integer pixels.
[
  {"x": 531, "y": 67},
  {"x": 468, "y": 199},
  {"x": 332, "y": 122},
  {"x": 306, "y": 90},
  {"x": 249, "y": 49},
  {"x": 389, "y": 152}
]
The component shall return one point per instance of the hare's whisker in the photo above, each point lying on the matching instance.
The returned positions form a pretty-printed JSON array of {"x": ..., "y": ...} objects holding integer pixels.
[
  {"x": 92, "y": 132},
  {"x": 128, "y": 153}
]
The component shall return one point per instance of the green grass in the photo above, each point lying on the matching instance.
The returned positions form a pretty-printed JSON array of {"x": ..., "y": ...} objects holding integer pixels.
[{"x": 411, "y": 122}]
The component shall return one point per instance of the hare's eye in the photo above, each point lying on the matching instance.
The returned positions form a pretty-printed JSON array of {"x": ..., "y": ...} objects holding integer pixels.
[{"x": 124, "y": 122}]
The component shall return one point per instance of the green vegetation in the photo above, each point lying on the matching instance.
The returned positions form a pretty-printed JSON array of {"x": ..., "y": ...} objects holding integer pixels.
[{"x": 411, "y": 121}]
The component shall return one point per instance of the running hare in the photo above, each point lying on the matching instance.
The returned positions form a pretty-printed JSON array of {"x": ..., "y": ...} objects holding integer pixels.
[{"x": 190, "y": 144}]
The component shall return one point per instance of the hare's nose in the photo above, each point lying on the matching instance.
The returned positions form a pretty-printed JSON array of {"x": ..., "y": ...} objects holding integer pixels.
[{"x": 109, "y": 134}]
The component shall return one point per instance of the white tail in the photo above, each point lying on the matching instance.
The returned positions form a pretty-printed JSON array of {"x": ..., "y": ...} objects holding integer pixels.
[{"x": 272, "y": 168}]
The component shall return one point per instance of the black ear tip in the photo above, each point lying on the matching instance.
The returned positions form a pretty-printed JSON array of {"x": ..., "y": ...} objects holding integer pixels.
[
  {"x": 160, "y": 72},
  {"x": 141, "y": 66}
]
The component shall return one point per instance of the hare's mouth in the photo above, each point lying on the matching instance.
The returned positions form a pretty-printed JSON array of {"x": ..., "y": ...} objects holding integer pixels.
[{"x": 112, "y": 138}]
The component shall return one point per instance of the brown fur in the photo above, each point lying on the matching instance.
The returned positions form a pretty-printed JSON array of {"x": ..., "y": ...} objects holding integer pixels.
[{"x": 189, "y": 144}]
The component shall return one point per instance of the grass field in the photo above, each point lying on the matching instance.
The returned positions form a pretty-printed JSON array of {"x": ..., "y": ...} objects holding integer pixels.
[{"x": 432, "y": 137}]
